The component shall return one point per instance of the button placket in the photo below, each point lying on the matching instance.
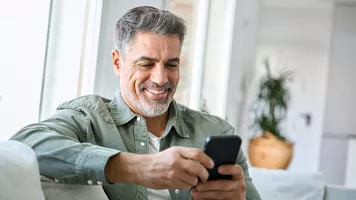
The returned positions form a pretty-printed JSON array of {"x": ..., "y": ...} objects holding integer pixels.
[{"x": 140, "y": 136}]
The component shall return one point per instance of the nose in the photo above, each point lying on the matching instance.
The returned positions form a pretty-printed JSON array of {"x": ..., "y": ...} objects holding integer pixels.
[{"x": 159, "y": 75}]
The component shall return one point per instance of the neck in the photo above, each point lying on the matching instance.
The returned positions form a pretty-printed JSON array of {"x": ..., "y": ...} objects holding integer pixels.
[{"x": 157, "y": 125}]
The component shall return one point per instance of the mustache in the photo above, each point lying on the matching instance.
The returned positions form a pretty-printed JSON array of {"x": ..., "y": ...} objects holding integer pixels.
[{"x": 152, "y": 85}]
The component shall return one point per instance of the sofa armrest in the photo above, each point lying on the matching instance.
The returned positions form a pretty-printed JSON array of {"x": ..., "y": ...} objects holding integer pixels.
[
  {"x": 337, "y": 192},
  {"x": 284, "y": 184},
  {"x": 59, "y": 191}
]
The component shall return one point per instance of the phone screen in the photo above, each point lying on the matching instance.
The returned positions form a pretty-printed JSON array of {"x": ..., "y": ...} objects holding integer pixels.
[{"x": 223, "y": 150}]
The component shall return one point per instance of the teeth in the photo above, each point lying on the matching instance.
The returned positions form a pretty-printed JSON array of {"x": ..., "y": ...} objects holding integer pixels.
[{"x": 156, "y": 91}]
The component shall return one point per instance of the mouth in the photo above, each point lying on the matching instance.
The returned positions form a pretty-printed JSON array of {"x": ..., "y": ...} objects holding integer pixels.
[{"x": 156, "y": 93}]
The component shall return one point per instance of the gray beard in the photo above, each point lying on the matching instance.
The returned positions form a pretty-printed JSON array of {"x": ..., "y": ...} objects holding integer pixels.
[{"x": 148, "y": 107}]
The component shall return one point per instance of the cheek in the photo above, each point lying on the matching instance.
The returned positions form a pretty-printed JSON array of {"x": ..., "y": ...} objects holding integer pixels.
[
  {"x": 137, "y": 79},
  {"x": 174, "y": 77}
]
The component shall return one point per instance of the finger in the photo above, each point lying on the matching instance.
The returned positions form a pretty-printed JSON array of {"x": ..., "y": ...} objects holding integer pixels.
[
  {"x": 213, "y": 194},
  {"x": 197, "y": 155},
  {"x": 217, "y": 185},
  {"x": 234, "y": 170},
  {"x": 188, "y": 178},
  {"x": 196, "y": 169},
  {"x": 203, "y": 199}
]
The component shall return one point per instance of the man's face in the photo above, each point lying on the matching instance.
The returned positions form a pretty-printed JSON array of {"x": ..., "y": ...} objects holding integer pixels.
[{"x": 149, "y": 72}]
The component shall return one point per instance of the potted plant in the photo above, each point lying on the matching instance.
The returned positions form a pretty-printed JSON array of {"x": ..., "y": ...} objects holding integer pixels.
[{"x": 268, "y": 148}]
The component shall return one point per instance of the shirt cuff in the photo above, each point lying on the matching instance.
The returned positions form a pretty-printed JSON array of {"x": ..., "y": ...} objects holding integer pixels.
[{"x": 92, "y": 165}]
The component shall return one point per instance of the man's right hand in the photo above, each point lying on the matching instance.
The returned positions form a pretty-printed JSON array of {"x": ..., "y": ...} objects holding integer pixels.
[{"x": 173, "y": 168}]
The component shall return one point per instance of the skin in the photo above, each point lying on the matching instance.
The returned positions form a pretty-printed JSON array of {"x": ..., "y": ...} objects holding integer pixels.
[
  {"x": 151, "y": 64},
  {"x": 149, "y": 76}
]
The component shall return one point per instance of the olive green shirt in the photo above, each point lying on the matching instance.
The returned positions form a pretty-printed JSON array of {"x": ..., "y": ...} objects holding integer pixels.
[{"x": 74, "y": 145}]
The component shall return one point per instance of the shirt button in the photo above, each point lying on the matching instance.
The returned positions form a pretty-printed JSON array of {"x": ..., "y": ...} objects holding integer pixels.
[
  {"x": 56, "y": 180},
  {"x": 176, "y": 191},
  {"x": 90, "y": 182},
  {"x": 138, "y": 119},
  {"x": 142, "y": 144},
  {"x": 99, "y": 183}
]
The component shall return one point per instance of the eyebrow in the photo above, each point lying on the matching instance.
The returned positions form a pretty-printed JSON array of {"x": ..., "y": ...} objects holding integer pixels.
[{"x": 176, "y": 59}]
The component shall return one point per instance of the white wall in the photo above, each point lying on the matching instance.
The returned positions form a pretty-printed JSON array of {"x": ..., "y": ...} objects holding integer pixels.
[
  {"x": 350, "y": 175},
  {"x": 333, "y": 159},
  {"x": 299, "y": 35},
  {"x": 340, "y": 105},
  {"x": 338, "y": 156},
  {"x": 244, "y": 46},
  {"x": 106, "y": 83}
]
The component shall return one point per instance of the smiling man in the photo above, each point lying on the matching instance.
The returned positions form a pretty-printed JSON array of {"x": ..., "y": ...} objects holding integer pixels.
[{"x": 141, "y": 144}]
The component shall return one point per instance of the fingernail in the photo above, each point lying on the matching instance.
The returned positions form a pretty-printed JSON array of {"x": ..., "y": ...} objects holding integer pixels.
[
  {"x": 221, "y": 170},
  {"x": 212, "y": 163}
]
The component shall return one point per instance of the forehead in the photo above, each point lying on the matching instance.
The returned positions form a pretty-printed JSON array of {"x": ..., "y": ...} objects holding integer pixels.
[{"x": 150, "y": 44}]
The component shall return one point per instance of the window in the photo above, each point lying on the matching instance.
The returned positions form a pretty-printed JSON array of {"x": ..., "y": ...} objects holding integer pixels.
[
  {"x": 23, "y": 46},
  {"x": 71, "y": 46},
  {"x": 188, "y": 10}
]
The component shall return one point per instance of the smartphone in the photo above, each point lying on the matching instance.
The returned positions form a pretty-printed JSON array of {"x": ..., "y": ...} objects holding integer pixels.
[{"x": 222, "y": 150}]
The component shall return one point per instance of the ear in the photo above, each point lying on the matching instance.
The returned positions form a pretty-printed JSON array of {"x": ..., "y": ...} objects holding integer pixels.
[{"x": 115, "y": 56}]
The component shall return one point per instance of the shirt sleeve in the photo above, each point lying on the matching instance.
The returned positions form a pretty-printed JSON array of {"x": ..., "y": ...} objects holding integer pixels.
[
  {"x": 251, "y": 191},
  {"x": 62, "y": 149}
]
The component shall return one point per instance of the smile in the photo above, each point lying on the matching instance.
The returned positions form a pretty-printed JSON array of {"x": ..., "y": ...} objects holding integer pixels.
[
  {"x": 156, "y": 91},
  {"x": 156, "y": 94}
]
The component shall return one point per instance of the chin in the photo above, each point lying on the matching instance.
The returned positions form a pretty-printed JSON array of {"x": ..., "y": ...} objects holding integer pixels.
[{"x": 154, "y": 110}]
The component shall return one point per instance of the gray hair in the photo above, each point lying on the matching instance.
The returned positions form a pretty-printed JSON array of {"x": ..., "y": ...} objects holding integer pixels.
[{"x": 147, "y": 19}]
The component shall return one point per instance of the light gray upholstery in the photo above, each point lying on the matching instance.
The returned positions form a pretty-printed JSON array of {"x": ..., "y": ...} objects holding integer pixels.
[
  {"x": 335, "y": 192},
  {"x": 19, "y": 173},
  {"x": 58, "y": 191},
  {"x": 283, "y": 184}
]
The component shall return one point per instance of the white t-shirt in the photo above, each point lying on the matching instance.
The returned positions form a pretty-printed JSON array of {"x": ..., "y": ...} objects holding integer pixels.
[{"x": 153, "y": 147}]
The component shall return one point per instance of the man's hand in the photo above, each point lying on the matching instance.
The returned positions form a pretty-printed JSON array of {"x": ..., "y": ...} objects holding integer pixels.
[
  {"x": 175, "y": 168},
  {"x": 234, "y": 189}
]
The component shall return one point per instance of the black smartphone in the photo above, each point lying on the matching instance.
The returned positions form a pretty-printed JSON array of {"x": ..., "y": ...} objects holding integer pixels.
[{"x": 223, "y": 150}]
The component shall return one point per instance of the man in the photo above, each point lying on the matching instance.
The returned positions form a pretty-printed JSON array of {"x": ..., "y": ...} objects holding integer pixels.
[{"x": 142, "y": 144}]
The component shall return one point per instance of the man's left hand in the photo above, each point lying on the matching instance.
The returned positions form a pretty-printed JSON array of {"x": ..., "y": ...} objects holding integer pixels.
[{"x": 234, "y": 189}]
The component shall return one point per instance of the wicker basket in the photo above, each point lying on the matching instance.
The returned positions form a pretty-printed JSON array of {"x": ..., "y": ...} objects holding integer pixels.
[{"x": 267, "y": 151}]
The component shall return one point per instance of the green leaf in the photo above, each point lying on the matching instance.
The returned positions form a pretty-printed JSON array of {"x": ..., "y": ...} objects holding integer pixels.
[{"x": 273, "y": 98}]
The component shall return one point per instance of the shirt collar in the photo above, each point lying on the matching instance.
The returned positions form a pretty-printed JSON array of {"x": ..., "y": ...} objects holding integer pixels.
[{"x": 122, "y": 114}]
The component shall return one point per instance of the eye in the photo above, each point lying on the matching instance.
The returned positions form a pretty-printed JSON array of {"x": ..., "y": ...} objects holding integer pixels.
[
  {"x": 172, "y": 65},
  {"x": 146, "y": 65}
]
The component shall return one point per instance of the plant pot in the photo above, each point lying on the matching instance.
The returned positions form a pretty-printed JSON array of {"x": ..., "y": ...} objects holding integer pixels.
[{"x": 267, "y": 151}]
